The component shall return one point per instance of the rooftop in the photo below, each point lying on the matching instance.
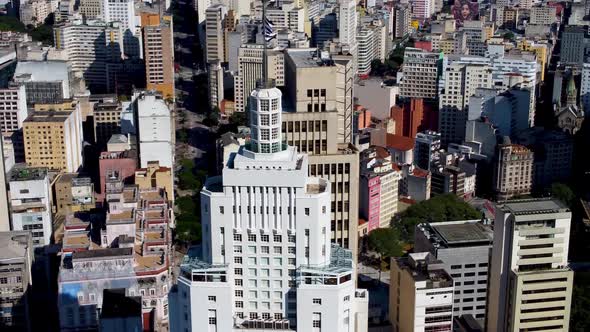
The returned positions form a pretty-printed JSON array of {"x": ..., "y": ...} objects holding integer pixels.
[
  {"x": 308, "y": 58},
  {"x": 457, "y": 233},
  {"x": 48, "y": 116},
  {"x": 14, "y": 244},
  {"x": 43, "y": 71},
  {"x": 102, "y": 253},
  {"x": 534, "y": 206},
  {"x": 28, "y": 173},
  {"x": 400, "y": 143}
]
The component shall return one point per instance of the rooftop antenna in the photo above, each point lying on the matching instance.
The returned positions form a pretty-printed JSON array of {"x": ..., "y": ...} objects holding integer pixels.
[{"x": 267, "y": 35}]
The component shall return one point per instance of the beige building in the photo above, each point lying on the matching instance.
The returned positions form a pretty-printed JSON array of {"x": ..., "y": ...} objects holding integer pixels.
[
  {"x": 250, "y": 70},
  {"x": 154, "y": 176},
  {"x": 91, "y": 9},
  {"x": 513, "y": 173},
  {"x": 420, "y": 294},
  {"x": 158, "y": 46},
  {"x": 530, "y": 284},
  {"x": 215, "y": 33},
  {"x": 320, "y": 123},
  {"x": 53, "y": 138},
  {"x": 420, "y": 74},
  {"x": 72, "y": 193}
]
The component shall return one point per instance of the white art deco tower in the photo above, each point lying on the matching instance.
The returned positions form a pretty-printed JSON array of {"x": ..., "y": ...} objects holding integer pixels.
[{"x": 266, "y": 260}]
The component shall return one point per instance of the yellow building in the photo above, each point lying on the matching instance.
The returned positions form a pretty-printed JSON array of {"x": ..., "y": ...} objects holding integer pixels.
[
  {"x": 154, "y": 176},
  {"x": 539, "y": 48},
  {"x": 53, "y": 138}
]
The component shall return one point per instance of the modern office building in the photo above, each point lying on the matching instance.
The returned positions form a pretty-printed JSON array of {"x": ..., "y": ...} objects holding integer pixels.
[
  {"x": 250, "y": 70},
  {"x": 379, "y": 183},
  {"x": 464, "y": 248},
  {"x": 16, "y": 259},
  {"x": 420, "y": 74},
  {"x": 215, "y": 33},
  {"x": 30, "y": 203},
  {"x": 53, "y": 139},
  {"x": 158, "y": 52},
  {"x": 318, "y": 120},
  {"x": 461, "y": 81},
  {"x": 44, "y": 81},
  {"x": 530, "y": 283},
  {"x": 156, "y": 130},
  {"x": 132, "y": 252},
  {"x": 572, "y": 45},
  {"x": 513, "y": 171},
  {"x": 420, "y": 294},
  {"x": 267, "y": 261}
]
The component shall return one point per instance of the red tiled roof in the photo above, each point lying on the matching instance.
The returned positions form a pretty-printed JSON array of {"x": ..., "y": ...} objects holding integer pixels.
[
  {"x": 400, "y": 143},
  {"x": 420, "y": 172}
]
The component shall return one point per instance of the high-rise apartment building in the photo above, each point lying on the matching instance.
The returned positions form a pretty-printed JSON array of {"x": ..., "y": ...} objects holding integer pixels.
[
  {"x": 320, "y": 123},
  {"x": 250, "y": 70},
  {"x": 420, "y": 73},
  {"x": 90, "y": 46},
  {"x": 347, "y": 27},
  {"x": 53, "y": 139},
  {"x": 513, "y": 171},
  {"x": 530, "y": 285},
  {"x": 460, "y": 83},
  {"x": 378, "y": 188},
  {"x": 422, "y": 10},
  {"x": 420, "y": 294},
  {"x": 200, "y": 7},
  {"x": 267, "y": 261},
  {"x": 464, "y": 249},
  {"x": 4, "y": 207},
  {"x": 156, "y": 130},
  {"x": 403, "y": 19},
  {"x": 215, "y": 33},
  {"x": 13, "y": 109},
  {"x": 216, "y": 87},
  {"x": 158, "y": 52},
  {"x": 16, "y": 259},
  {"x": 123, "y": 12},
  {"x": 30, "y": 203},
  {"x": 107, "y": 122},
  {"x": 572, "y": 45},
  {"x": 426, "y": 149}
]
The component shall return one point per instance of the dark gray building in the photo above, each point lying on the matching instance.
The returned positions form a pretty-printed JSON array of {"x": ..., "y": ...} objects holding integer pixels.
[
  {"x": 572, "y": 45},
  {"x": 464, "y": 248},
  {"x": 16, "y": 258}
]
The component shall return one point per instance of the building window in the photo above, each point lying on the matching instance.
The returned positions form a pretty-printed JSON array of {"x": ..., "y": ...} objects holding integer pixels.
[
  {"x": 212, "y": 298},
  {"x": 307, "y": 211},
  {"x": 317, "y": 320},
  {"x": 252, "y": 237},
  {"x": 238, "y": 260},
  {"x": 277, "y": 238},
  {"x": 221, "y": 210},
  {"x": 317, "y": 301},
  {"x": 264, "y": 238},
  {"x": 238, "y": 237},
  {"x": 239, "y": 293},
  {"x": 239, "y": 304}
]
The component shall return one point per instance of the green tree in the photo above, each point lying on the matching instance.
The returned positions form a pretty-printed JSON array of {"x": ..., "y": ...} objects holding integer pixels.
[
  {"x": 385, "y": 241},
  {"x": 564, "y": 193},
  {"x": 447, "y": 207},
  {"x": 10, "y": 23},
  {"x": 188, "y": 177},
  {"x": 188, "y": 226},
  {"x": 508, "y": 36}
]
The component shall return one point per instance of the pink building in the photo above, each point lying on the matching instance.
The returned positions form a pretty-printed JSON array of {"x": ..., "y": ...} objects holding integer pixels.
[
  {"x": 115, "y": 165},
  {"x": 378, "y": 188}
]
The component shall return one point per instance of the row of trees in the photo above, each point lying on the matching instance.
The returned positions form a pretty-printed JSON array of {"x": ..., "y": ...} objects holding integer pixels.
[
  {"x": 42, "y": 33},
  {"x": 188, "y": 215}
]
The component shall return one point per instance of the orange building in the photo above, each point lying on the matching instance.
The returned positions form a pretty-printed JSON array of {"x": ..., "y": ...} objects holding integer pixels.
[{"x": 413, "y": 117}]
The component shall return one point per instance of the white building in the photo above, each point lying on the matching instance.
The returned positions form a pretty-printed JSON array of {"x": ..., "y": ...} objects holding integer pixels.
[
  {"x": 155, "y": 131},
  {"x": 13, "y": 108},
  {"x": 530, "y": 284},
  {"x": 543, "y": 15},
  {"x": 347, "y": 25},
  {"x": 123, "y": 11},
  {"x": 267, "y": 261},
  {"x": 422, "y": 9},
  {"x": 420, "y": 73},
  {"x": 30, "y": 203}
]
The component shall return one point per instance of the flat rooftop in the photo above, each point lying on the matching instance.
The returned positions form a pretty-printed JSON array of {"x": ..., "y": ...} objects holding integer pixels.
[
  {"x": 48, "y": 116},
  {"x": 43, "y": 71},
  {"x": 308, "y": 58},
  {"x": 461, "y": 233},
  {"x": 535, "y": 206},
  {"x": 28, "y": 173},
  {"x": 14, "y": 245}
]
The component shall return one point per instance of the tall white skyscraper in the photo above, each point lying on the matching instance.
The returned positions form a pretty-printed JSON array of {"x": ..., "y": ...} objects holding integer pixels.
[
  {"x": 347, "y": 24},
  {"x": 123, "y": 11},
  {"x": 266, "y": 259},
  {"x": 530, "y": 284}
]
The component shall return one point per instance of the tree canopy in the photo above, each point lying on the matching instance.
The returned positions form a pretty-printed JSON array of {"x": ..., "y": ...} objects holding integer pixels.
[
  {"x": 563, "y": 193},
  {"x": 188, "y": 220},
  {"x": 189, "y": 178},
  {"x": 385, "y": 241},
  {"x": 447, "y": 207}
]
